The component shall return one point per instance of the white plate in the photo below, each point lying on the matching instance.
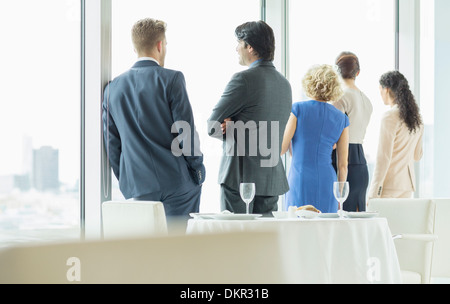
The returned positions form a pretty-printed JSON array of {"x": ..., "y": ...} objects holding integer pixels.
[
  {"x": 328, "y": 215},
  {"x": 361, "y": 214},
  {"x": 202, "y": 215},
  {"x": 280, "y": 214},
  {"x": 235, "y": 216},
  {"x": 306, "y": 214}
]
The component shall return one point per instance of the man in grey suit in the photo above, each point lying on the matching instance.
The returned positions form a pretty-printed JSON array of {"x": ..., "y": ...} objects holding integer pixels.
[
  {"x": 250, "y": 119},
  {"x": 149, "y": 129}
]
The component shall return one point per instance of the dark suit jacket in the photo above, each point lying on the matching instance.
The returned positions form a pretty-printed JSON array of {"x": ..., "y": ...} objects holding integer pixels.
[
  {"x": 258, "y": 94},
  {"x": 139, "y": 110}
]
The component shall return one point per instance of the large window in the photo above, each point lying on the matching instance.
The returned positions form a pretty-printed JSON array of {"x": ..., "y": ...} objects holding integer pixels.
[
  {"x": 319, "y": 30},
  {"x": 40, "y": 118},
  {"x": 40, "y": 60},
  {"x": 201, "y": 44}
]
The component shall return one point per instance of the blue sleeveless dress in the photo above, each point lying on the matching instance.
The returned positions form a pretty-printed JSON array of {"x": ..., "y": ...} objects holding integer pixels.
[{"x": 311, "y": 175}]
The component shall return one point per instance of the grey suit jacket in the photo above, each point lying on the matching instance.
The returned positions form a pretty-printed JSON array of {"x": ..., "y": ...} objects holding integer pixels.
[
  {"x": 259, "y": 101},
  {"x": 140, "y": 111}
]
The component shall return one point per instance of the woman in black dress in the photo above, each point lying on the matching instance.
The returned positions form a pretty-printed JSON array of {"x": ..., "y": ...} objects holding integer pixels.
[{"x": 357, "y": 106}]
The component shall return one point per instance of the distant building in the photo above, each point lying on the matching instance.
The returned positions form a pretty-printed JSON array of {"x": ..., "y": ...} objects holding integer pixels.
[
  {"x": 27, "y": 155},
  {"x": 45, "y": 169},
  {"x": 22, "y": 182},
  {"x": 6, "y": 183}
]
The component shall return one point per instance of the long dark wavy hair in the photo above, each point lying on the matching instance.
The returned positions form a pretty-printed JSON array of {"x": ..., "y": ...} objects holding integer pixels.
[{"x": 404, "y": 98}]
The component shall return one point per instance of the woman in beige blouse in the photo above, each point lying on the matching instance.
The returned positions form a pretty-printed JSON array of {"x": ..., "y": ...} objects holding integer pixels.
[
  {"x": 357, "y": 106},
  {"x": 400, "y": 142}
]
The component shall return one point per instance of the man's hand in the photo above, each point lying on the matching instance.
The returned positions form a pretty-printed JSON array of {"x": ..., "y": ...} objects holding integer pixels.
[{"x": 224, "y": 125}]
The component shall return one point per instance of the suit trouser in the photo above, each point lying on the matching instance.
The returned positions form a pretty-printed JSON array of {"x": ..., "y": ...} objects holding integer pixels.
[
  {"x": 231, "y": 200},
  {"x": 177, "y": 205}
]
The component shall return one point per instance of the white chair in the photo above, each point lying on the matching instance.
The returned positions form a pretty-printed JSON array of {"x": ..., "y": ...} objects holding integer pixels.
[
  {"x": 225, "y": 258},
  {"x": 133, "y": 219},
  {"x": 440, "y": 269},
  {"x": 411, "y": 222}
]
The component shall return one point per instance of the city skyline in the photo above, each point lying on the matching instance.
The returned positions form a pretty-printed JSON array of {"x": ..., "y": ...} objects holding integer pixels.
[
  {"x": 20, "y": 164},
  {"x": 39, "y": 170}
]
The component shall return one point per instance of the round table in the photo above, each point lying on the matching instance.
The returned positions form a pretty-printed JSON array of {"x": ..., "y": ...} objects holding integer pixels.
[{"x": 324, "y": 250}]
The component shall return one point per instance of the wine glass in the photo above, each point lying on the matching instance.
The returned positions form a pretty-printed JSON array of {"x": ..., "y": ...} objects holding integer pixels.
[
  {"x": 340, "y": 191},
  {"x": 247, "y": 191}
]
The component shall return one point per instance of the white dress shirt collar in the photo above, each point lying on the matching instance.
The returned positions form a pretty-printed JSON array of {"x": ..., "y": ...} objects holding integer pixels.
[{"x": 148, "y": 58}]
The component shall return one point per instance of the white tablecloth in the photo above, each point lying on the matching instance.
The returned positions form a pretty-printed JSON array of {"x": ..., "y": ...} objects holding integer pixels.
[{"x": 324, "y": 250}]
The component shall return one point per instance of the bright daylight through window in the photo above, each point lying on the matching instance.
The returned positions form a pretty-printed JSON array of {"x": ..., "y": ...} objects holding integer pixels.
[
  {"x": 203, "y": 47},
  {"x": 365, "y": 28},
  {"x": 40, "y": 117},
  {"x": 40, "y": 60}
]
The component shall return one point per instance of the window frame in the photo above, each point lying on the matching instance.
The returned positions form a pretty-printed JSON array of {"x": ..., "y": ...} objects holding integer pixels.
[{"x": 95, "y": 184}]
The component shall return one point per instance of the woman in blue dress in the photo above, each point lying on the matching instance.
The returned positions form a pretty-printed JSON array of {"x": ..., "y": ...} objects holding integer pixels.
[{"x": 315, "y": 128}]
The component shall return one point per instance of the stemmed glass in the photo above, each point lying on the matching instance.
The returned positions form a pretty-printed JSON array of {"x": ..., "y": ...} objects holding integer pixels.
[
  {"x": 247, "y": 191},
  {"x": 340, "y": 191}
]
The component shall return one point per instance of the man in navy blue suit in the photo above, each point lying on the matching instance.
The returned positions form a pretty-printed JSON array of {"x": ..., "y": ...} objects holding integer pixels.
[{"x": 149, "y": 129}]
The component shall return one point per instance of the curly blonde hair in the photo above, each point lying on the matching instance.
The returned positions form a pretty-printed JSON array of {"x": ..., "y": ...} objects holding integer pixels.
[{"x": 322, "y": 82}]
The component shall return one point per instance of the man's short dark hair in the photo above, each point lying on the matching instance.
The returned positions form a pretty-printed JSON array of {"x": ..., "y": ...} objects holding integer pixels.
[{"x": 259, "y": 35}]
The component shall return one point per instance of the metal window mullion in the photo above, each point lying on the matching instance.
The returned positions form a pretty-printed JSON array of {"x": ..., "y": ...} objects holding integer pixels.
[
  {"x": 82, "y": 182},
  {"x": 397, "y": 33},
  {"x": 96, "y": 67}
]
